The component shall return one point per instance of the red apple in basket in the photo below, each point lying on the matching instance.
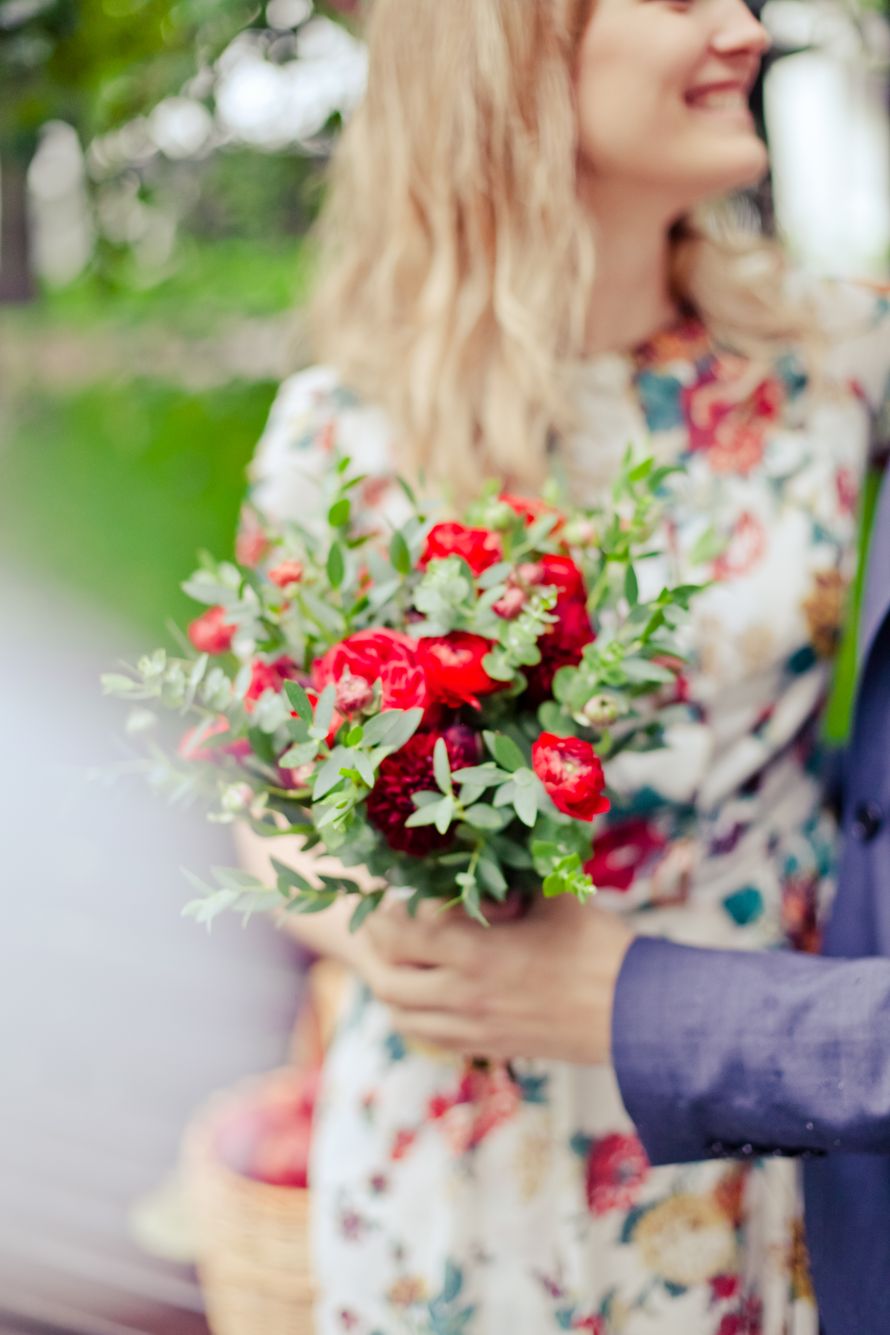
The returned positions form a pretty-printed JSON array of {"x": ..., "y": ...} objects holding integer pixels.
[{"x": 268, "y": 1137}]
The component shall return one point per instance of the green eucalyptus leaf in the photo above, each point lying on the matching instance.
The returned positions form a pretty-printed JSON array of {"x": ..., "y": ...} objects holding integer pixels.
[
  {"x": 393, "y": 728},
  {"x": 290, "y": 878},
  {"x": 262, "y": 745},
  {"x": 339, "y": 513},
  {"x": 446, "y": 812},
  {"x": 472, "y": 899},
  {"x": 492, "y": 878},
  {"x": 327, "y": 778},
  {"x": 298, "y": 700},
  {"x": 485, "y": 817},
  {"x": 336, "y": 565},
  {"x": 442, "y": 766},
  {"x": 526, "y": 804},
  {"x": 324, "y": 712},
  {"x": 400, "y": 553},
  {"x": 316, "y": 901},
  {"x": 303, "y": 753},
  {"x": 505, "y": 751},
  {"x": 365, "y": 768},
  {"x": 436, "y": 813},
  {"x": 367, "y": 904},
  {"x": 425, "y": 799}
]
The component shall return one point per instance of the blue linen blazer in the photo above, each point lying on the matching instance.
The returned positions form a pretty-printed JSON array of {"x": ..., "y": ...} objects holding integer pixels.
[{"x": 722, "y": 1053}]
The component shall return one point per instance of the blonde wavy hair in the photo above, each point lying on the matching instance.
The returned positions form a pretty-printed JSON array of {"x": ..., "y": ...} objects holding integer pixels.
[{"x": 456, "y": 262}]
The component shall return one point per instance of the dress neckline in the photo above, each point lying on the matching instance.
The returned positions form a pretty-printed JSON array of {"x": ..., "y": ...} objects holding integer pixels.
[{"x": 683, "y": 339}]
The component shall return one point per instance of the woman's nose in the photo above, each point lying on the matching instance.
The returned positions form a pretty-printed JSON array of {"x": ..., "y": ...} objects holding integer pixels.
[{"x": 740, "y": 31}]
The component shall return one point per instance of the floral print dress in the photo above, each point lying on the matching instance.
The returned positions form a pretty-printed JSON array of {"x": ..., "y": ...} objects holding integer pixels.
[{"x": 453, "y": 1201}]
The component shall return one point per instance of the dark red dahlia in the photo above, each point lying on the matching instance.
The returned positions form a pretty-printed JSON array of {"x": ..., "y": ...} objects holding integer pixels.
[{"x": 409, "y": 771}]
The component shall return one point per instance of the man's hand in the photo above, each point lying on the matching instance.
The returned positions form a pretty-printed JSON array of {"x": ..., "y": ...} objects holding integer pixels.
[{"x": 538, "y": 987}]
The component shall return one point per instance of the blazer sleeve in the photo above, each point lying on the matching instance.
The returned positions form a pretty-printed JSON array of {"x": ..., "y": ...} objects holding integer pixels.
[{"x": 726, "y": 1053}]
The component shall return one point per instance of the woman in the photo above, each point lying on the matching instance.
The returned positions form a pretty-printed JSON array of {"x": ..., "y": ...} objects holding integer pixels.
[{"x": 516, "y": 280}]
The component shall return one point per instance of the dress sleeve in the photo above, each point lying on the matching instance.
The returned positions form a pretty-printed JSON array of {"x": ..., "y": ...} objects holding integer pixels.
[{"x": 314, "y": 420}]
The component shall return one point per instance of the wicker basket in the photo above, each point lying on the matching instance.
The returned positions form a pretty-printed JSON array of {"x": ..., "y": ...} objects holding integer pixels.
[{"x": 252, "y": 1239}]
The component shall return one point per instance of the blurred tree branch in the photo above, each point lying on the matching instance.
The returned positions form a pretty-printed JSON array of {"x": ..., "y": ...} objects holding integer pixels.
[{"x": 94, "y": 64}]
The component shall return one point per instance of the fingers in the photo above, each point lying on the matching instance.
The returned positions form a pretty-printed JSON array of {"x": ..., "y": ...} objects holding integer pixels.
[
  {"x": 410, "y": 988},
  {"x": 454, "y": 1033},
  {"x": 430, "y": 938}
]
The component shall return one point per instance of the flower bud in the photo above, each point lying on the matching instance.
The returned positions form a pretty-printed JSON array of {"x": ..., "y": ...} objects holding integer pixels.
[{"x": 600, "y": 711}]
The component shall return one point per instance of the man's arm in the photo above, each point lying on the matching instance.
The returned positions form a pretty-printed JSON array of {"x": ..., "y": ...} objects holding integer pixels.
[{"x": 728, "y": 1053}]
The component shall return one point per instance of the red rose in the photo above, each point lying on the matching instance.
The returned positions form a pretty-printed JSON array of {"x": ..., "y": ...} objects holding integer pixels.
[
  {"x": 210, "y": 633},
  {"x": 620, "y": 852},
  {"x": 479, "y": 547},
  {"x": 453, "y": 666},
  {"x": 571, "y": 772},
  {"x": 269, "y": 677},
  {"x": 617, "y": 1166},
  {"x": 408, "y": 771},
  {"x": 286, "y": 572}
]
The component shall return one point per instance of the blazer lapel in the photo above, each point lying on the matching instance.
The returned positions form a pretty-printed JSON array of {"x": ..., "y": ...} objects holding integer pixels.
[{"x": 876, "y": 606}]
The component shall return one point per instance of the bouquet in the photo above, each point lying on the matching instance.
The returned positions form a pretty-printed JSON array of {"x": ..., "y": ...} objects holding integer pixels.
[{"x": 436, "y": 704}]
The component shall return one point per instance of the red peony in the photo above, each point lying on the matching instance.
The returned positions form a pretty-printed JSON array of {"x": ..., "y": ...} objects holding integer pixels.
[
  {"x": 404, "y": 685},
  {"x": 269, "y": 677},
  {"x": 561, "y": 646},
  {"x": 210, "y": 633},
  {"x": 479, "y": 547},
  {"x": 558, "y": 571},
  {"x": 286, "y": 572},
  {"x": 617, "y": 1166},
  {"x": 571, "y": 772},
  {"x": 453, "y": 666},
  {"x": 620, "y": 852},
  {"x": 409, "y": 771}
]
